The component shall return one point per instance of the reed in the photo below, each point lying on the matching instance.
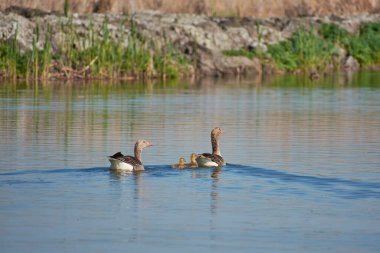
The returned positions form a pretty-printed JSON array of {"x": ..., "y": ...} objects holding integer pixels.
[
  {"x": 91, "y": 56},
  {"x": 66, "y": 8}
]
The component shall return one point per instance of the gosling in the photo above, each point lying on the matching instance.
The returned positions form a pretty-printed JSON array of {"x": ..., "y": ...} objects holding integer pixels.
[{"x": 181, "y": 164}]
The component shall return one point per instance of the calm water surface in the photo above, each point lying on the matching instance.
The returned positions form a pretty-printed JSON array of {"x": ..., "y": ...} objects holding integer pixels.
[{"x": 303, "y": 172}]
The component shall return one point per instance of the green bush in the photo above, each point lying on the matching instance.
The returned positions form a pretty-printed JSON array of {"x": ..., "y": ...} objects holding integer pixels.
[
  {"x": 304, "y": 50},
  {"x": 333, "y": 33},
  {"x": 365, "y": 46}
]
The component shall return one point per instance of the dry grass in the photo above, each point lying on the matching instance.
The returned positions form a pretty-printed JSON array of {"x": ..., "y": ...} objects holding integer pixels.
[{"x": 259, "y": 8}]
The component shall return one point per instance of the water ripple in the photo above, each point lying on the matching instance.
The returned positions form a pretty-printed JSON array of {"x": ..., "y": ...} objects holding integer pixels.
[
  {"x": 343, "y": 187},
  {"x": 351, "y": 189}
]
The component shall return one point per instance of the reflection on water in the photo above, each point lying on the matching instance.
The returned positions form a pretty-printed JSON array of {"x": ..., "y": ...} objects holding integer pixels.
[
  {"x": 302, "y": 172},
  {"x": 271, "y": 124}
]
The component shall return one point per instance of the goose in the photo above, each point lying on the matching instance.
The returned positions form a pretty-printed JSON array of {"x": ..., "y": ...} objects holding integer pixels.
[
  {"x": 193, "y": 162},
  {"x": 129, "y": 163},
  {"x": 215, "y": 159},
  {"x": 181, "y": 164}
]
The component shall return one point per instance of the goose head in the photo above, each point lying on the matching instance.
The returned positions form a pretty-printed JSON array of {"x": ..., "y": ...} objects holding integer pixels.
[
  {"x": 140, "y": 144},
  {"x": 216, "y": 132},
  {"x": 181, "y": 161}
]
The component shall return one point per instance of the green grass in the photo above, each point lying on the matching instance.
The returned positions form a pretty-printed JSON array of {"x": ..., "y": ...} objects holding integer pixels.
[
  {"x": 240, "y": 52},
  {"x": 309, "y": 49},
  {"x": 91, "y": 56},
  {"x": 102, "y": 57},
  {"x": 66, "y": 8},
  {"x": 304, "y": 50},
  {"x": 364, "y": 46}
]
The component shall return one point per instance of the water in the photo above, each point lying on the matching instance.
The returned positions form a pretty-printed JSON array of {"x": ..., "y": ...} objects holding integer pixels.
[{"x": 302, "y": 174}]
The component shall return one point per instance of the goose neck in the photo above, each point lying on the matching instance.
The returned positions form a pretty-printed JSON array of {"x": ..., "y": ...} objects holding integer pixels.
[
  {"x": 138, "y": 152},
  {"x": 215, "y": 145}
]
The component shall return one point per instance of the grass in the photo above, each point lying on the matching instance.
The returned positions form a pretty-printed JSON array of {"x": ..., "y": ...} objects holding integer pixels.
[
  {"x": 309, "y": 49},
  {"x": 102, "y": 57},
  {"x": 364, "y": 46},
  {"x": 240, "y": 52},
  {"x": 305, "y": 50},
  {"x": 91, "y": 56}
]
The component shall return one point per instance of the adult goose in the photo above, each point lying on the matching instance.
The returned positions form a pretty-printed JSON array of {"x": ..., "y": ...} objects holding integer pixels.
[
  {"x": 215, "y": 159},
  {"x": 129, "y": 163}
]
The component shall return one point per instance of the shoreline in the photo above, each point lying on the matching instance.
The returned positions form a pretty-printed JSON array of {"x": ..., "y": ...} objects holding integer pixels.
[{"x": 152, "y": 45}]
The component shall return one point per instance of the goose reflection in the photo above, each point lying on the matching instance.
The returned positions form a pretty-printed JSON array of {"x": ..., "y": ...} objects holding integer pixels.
[
  {"x": 129, "y": 203},
  {"x": 215, "y": 175},
  {"x": 214, "y": 202},
  {"x": 200, "y": 173}
]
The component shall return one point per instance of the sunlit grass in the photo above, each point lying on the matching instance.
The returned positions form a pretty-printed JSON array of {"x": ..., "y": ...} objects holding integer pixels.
[
  {"x": 364, "y": 46},
  {"x": 91, "y": 56},
  {"x": 309, "y": 49}
]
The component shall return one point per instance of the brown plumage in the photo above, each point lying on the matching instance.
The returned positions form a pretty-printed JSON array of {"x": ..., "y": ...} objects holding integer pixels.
[
  {"x": 215, "y": 158},
  {"x": 127, "y": 159},
  {"x": 130, "y": 163}
]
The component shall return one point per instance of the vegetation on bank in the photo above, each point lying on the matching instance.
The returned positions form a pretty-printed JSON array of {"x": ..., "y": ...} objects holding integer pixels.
[
  {"x": 99, "y": 55},
  {"x": 311, "y": 49},
  {"x": 91, "y": 57}
]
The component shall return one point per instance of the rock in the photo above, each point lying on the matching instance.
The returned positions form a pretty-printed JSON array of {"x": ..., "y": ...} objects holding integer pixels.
[
  {"x": 351, "y": 64},
  {"x": 258, "y": 47},
  {"x": 233, "y": 66},
  {"x": 14, "y": 26},
  {"x": 340, "y": 56}
]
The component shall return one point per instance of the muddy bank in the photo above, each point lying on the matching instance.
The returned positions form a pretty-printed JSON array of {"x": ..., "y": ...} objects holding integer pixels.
[{"x": 203, "y": 41}]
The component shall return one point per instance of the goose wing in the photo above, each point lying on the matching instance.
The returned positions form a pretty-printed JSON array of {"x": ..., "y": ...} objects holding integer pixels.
[
  {"x": 130, "y": 160},
  {"x": 126, "y": 159},
  {"x": 215, "y": 158}
]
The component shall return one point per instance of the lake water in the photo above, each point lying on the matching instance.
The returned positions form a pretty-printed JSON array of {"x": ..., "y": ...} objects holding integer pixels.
[{"x": 303, "y": 172}]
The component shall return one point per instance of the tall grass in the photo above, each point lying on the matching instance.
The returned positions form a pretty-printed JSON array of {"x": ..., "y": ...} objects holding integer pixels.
[
  {"x": 315, "y": 50},
  {"x": 305, "y": 50},
  {"x": 364, "y": 46},
  {"x": 91, "y": 56},
  {"x": 66, "y": 8}
]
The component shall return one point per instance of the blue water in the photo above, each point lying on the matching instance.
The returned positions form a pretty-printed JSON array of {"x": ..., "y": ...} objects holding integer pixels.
[{"x": 303, "y": 172}]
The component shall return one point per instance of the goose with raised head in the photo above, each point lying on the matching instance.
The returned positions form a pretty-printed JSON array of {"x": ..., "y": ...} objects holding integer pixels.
[
  {"x": 214, "y": 159},
  {"x": 129, "y": 163}
]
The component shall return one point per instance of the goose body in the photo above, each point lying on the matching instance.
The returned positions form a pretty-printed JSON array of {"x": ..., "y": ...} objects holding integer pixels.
[
  {"x": 204, "y": 161},
  {"x": 129, "y": 163},
  {"x": 214, "y": 159}
]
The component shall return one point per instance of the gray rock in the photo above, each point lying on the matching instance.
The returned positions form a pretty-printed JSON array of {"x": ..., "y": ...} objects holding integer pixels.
[{"x": 351, "y": 64}]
